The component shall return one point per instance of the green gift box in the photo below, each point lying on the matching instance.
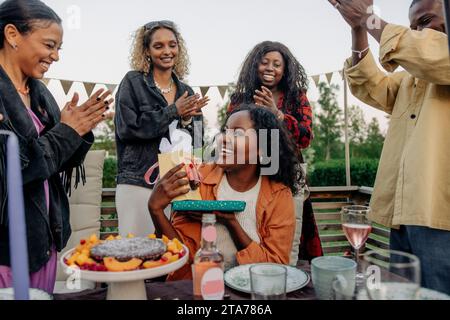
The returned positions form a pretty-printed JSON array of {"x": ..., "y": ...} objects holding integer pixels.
[{"x": 209, "y": 205}]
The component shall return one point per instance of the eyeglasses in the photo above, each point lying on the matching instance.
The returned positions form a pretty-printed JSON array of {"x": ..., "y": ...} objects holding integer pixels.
[{"x": 157, "y": 24}]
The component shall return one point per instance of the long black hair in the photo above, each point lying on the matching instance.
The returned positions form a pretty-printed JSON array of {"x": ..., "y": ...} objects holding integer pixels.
[
  {"x": 293, "y": 83},
  {"x": 289, "y": 172},
  {"x": 25, "y": 15}
]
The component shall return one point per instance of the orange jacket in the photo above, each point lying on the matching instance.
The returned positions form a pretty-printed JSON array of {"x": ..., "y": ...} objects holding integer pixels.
[{"x": 275, "y": 219}]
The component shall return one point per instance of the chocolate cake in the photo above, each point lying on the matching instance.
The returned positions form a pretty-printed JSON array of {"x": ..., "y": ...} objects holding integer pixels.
[{"x": 127, "y": 249}]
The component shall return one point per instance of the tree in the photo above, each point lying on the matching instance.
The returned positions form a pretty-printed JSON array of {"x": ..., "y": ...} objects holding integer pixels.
[
  {"x": 328, "y": 124},
  {"x": 373, "y": 144},
  {"x": 357, "y": 130},
  {"x": 104, "y": 136}
]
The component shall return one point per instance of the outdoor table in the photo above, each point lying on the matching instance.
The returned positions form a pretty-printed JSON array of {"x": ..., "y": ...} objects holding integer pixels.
[{"x": 182, "y": 290}]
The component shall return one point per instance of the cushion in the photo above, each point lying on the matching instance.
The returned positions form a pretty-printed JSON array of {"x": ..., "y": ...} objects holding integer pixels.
[
  {"x": 298, "y": 205},
  {"x": 85, "y": 210}
]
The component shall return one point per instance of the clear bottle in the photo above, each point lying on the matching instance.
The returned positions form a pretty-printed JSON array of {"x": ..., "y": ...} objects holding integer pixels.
[{"x": 208, "y": 267}]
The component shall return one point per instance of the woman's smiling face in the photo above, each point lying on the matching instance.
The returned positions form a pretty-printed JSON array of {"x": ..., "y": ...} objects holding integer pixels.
[
  {"x": 271, "y": 69},
  {"x": 238, "y": 145},
  {"x": 163, "y": 49},
  {"x": 38, "y": 49}
]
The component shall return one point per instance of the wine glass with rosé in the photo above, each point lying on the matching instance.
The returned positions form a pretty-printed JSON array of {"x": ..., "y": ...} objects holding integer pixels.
[{"x": 357, "y": 227}]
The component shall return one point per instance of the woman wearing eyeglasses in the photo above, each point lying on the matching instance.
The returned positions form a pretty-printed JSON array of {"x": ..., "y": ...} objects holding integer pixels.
[{"x": 149, "y": 99}]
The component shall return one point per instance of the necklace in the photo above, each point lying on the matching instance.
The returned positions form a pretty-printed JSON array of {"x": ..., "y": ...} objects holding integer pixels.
[
  {"x": 25, "y": 91},
  {"x": 164, "y": 91}
]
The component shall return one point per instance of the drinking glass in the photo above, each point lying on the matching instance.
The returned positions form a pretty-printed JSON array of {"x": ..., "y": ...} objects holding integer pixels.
[
  {"x": 343, "y": 290},
  {"x": 268, "y": 281},
  {"x": 357, "y": 228},
  {"x": 391, "y": 275}
]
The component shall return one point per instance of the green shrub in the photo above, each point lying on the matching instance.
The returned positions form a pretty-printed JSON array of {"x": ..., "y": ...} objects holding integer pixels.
[
  {"x": 326, "y": 173},
  {"x": 109, "y": 172},
  {"x": 332, "y": 173}
]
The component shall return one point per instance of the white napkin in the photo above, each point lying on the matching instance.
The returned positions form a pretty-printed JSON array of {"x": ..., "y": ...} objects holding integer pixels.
[{"x": 180, "y": 140}]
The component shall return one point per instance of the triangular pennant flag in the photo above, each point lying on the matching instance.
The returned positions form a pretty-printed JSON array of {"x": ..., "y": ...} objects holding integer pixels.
[
  {"x": 66, "y": 84},
  {"x": 89, "y": 86},
  {"x": 329, "y": 77},
  {"x": 111, "y": 87},
  {"x": 316, "y": 79},
  {"x": 204, "y": 90},
  {"x": 222, "y": 90},
  {"x": 45, "y": 81}
]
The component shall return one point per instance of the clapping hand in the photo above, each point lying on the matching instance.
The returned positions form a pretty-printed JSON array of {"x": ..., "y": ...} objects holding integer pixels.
[
  {"x": 87, "y": 116},
  {"x": 188, "y": 106}
]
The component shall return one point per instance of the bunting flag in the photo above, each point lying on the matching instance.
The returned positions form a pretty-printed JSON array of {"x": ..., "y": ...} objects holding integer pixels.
[
  {"x": 222, "y": 90},
  {"x": 45, "y": 81},
  {"x": 329, "y": 77},
  {"x": 316, "y": 79},
  {"x": 111, "y": 87},
  {"x": 204, "y": 90},
  {"x": 66, "y": 85},
  {"x": 89, "y": 86}
]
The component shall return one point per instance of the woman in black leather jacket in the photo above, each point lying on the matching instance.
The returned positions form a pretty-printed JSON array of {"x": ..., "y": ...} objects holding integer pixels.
[
  {"x": 50, "y": 141},
  {"x": 149, "y": 99}
]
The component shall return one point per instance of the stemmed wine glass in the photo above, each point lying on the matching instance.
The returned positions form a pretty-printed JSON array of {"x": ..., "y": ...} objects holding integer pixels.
[{"x": 357, "y": 228}]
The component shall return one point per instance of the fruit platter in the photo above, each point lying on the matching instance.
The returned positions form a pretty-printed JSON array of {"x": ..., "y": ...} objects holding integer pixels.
[{"x": 124, "y": 263}]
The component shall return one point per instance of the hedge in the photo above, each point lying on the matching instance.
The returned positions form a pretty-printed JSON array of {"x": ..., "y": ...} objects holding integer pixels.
[
  {"x": 332, "y": 173},
  {"x": 327, "y": 173}
]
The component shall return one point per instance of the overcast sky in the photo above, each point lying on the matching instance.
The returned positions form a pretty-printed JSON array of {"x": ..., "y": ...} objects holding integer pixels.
[{"x": 219, "y": 34}]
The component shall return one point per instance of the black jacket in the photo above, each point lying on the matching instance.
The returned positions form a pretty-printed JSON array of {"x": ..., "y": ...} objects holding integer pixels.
[
  {"x": 58, "y": 149},
  {"x": 142, "y": 119}
]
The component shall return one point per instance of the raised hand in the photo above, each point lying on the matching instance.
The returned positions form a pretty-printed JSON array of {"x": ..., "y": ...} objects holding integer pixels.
[
  {"x": 355, "y": 13},
  {"x": 173, "y": 184},
  {"x": 86, "y": 117}
]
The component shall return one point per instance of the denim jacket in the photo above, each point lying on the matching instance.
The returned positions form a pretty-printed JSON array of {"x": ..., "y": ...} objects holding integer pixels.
[
  {"x": 142, "y": 119},
  {"x": 59, "y": 148}
]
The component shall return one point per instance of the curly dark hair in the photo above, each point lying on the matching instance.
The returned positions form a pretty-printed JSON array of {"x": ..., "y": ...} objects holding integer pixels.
[
  {"x": 294, "y": 81},
  {"x": 289, "y": 172}
]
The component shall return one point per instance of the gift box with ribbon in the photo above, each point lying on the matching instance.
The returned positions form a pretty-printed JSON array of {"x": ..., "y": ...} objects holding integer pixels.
[{"x": 174, "y": 152}]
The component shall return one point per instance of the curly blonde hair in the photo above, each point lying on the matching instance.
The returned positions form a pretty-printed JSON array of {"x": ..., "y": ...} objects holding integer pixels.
[{"x": 141, "y": 42}]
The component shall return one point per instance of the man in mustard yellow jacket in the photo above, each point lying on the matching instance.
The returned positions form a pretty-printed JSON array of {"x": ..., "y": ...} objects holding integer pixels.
[{"x": 412, "y": 188}]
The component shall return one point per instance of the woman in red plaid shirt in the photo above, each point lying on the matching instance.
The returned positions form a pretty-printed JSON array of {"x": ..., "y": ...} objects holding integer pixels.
[{"x": 273, "y": 78}]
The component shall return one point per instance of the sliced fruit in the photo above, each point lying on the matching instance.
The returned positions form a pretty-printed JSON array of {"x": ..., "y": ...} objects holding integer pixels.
[
  {"x": 73, "y": 258},
  {"x": 130, "y": 235},
  {"x": 152, "y": 264},
  {"x": 173, "y": 258},
  {"x": 178, "y": 244},
  {"x": 111, "y": 237},
  {"x": 118, "y": 237},
  {"x": 82, "y": 259},
  {"x": 116, "y": 266},
  {"x": 152, "y": 236},
  {"x": 165, "y": 239},
  {"x": 172, "y": 247},
  {"x": 93, "y": 239}
]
